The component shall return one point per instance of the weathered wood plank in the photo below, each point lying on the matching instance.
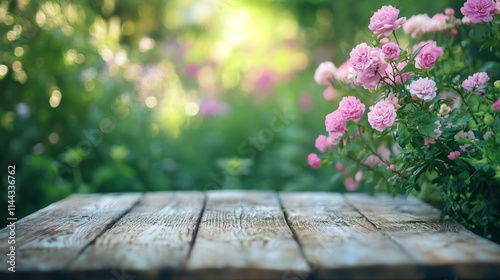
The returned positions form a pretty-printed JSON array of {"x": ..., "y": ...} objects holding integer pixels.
[
  {"x": 50, "y": 238},
  {"x": 339, "y": 242},
  {"x": 155, "y": 235},
  {"x": 439, "y": 248},
  {"x": 243, "y": 234}
]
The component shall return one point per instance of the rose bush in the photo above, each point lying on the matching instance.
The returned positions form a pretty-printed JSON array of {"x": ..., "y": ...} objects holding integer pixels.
[{"x": 433, "y": 124}]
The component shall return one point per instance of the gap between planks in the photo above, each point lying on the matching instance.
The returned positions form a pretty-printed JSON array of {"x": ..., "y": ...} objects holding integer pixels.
[
  {"x": 108, "y": 226},
  {"x": 197, "y": 227},
  {"x": 403, "y": 249},
  {"x": 294, "y": 233}
]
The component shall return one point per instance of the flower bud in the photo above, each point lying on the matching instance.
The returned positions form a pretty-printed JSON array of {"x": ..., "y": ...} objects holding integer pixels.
[
  {"x": 488, "y": 119},
  {"x": 497, "y": 84}
]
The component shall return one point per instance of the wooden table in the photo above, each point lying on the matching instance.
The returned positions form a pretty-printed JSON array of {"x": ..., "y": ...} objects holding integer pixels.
[{"x": 244, "y": 235}]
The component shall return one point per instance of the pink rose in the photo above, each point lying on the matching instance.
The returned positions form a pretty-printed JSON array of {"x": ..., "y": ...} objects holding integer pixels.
[
  {"x": 415, "y": 25},
  {"x": 385, "y": 20},
  {"x": 384, "y": 41},
  {"x": 382, "y": 115},
  {"x": 358, "y": 176},
  {"x": 426, "y": 59},
  {"x": 438, "y": 23},
  {"x": 324, "y": 144},
  {"x": 325, "y": 73},
  {"x": 369, "y": 65},
  {"x": 393, "y": 98},
  {"x": 360, "y": 57},
  {"x": 351, "y": 108},
  {"x": 423, "y": 88},
  {"x": 496, "y": 105},
  {"x": 479, "y": 11},
  {"x": 321, "y": 143},
  {"x": 339, "y": 166},
  {"x": 428, "y": 46},
  {"x": 454, "y": 155},
  {"x": 351, "y": 185},
  {"x": 391, "y": 51},
  {"x": 329, "y": 93},
  {"x": 368, "y": 80},
  {"x": 467, "y": 21},
  {"x": 476, "y": 81},
  {"x": 449, "y": 12},
  {"x": 428, "y": 54},
  {"x": 335, "y": 124},
  {"x": 313, "y": 160}
]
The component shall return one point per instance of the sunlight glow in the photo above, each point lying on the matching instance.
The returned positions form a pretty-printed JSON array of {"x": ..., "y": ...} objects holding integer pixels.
[
  {"x": 151, "y": 101},
  {"x": 192, "y": 109},
  {"x": 55, "y": 98}
]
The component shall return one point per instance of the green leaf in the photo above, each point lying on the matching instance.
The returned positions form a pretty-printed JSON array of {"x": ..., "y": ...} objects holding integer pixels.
[
  {"x": 403, "y": 136},
  {"x": 463, "y": 120},
  {"x": 427, "y": 130},
  {"x": 410, "y": 67},
  {"x": 415, "y": 53},
  {"x": 464, "y": 177}
]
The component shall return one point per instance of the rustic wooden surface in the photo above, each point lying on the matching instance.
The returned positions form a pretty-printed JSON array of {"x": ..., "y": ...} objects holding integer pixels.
[
  {"x": 54, "y": 236},
  {"x": 245, "y": 235},
  {"x": 245, "y": 230},
  {"x": 157, "y": 234}
]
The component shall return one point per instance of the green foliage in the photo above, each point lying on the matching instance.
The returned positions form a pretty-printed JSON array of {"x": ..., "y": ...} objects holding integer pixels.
[{"x": 422, "y": 146}]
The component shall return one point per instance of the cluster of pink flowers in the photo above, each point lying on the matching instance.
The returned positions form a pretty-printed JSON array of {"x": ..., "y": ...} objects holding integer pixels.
[
  {"x": 476, "y": 82},
  {"x": 352, "y": 184},
  {"x": 326, "y": 143},
  {"x": 368, "y": 64},
  {"x": 392, "y": 69},
  {"x": 421, "y": 24},
  {"x": 326, "y": 73},
  {"x": 350, "y": 108}
]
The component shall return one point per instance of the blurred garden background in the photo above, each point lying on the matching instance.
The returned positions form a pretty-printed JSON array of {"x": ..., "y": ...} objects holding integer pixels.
[{"x": 127, "y": 95}]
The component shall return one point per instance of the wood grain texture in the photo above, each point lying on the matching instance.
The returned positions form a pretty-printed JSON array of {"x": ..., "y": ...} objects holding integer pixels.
[
  {"x": 50, "y": 238},
  {"x": 339, "y": 242},
  {"x": 442, "y": 248},
  {"x": 244, "y": 232},
  {"x": 155, "y": 235},
  {"x": 245, "y": 235}
]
